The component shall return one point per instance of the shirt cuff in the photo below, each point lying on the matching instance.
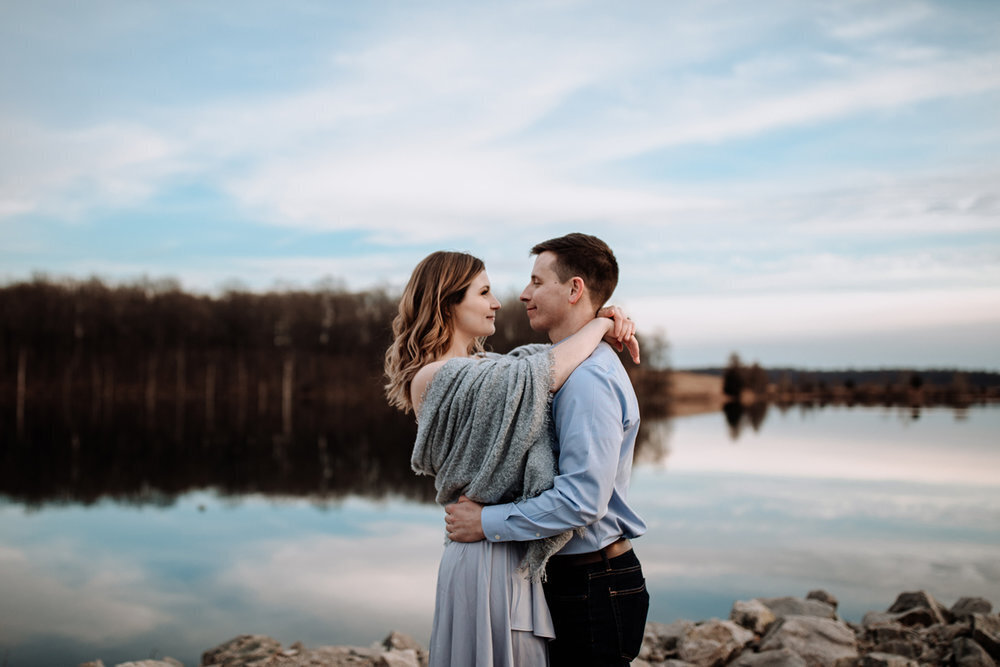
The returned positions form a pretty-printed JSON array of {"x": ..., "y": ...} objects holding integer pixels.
[{"x": 493, "y": 522}]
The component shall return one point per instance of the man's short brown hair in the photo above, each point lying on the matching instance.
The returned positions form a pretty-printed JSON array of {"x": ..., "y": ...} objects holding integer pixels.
[{"x": 587, "y": 257}]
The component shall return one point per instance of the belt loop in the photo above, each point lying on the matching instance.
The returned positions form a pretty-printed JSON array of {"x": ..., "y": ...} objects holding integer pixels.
[{"x": 604, "y": 559}]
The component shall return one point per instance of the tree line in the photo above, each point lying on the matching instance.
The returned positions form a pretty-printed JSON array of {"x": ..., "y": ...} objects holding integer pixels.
[
  {"x": 150, "y": 341},
  {"x": 752, "y": 383}
]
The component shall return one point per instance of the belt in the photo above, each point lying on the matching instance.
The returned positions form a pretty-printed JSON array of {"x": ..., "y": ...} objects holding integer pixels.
[{"x": 621, "y": 546}]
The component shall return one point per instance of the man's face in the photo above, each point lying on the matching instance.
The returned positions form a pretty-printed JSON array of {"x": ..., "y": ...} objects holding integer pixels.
[{"x": 546, "y": 300}]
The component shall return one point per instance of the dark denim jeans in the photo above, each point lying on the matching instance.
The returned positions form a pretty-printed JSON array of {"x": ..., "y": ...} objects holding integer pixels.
[{"x": 598, "y": 609}]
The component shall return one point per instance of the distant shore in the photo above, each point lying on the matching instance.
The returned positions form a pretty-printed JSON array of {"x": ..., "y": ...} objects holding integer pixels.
[{"x": 698, "y": 392}]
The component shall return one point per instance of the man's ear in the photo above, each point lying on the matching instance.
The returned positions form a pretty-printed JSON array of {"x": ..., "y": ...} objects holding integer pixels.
[{"x": 576, "y": 289}]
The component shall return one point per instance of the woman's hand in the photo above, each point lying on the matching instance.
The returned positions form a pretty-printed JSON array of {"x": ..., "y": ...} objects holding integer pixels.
[{"x": 622, "y": 332}]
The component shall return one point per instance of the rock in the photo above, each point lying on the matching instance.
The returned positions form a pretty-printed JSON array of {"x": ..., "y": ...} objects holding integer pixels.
[
  {"x": 919, "y": 608},
  {"x": 92, "y": 663},
  {"x": 916, "y": 609},
  {"x": 166, "y": 662},
  {"x": 967, "y": 653},
  {"x": 986, "y": 632},
  {"x": 396, "y": 650},
  {"x": 888, "y": 632},
  {"x": 901, "y": 647},
  {"x": 968, "y": 606},
  {"x": 895, "y": 639},
  {"x": 823, "y": 596},
  {"x": 789, "y": 606},
  {"x": 878, "y": 659},
  {"x": 753, "y": 615},
  {"x": 820, "y": 641},
  {"x": 400, "y": 642},
  {"x": 873, "y": 618},
  {"x": 398, "y": 658},
  {"x": 713, "y": 642},
  {"x": 784, "y": 657},
  {"x": 660, "y": 640},
  {"x": 243, "y": 650}
]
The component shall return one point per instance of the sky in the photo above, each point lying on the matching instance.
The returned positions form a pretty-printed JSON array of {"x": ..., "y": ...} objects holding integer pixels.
[{"x": 811, "y": 184}]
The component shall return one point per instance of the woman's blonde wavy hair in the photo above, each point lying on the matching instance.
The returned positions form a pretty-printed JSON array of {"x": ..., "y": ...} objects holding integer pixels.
[{"x": 422, "y": 330}]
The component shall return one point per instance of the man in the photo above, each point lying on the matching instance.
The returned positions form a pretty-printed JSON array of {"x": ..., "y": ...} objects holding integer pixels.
[{"x": 595, "y": 587}]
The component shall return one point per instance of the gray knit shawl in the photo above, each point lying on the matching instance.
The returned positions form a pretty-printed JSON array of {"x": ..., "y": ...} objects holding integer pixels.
[{"x": 484, "y": 431}]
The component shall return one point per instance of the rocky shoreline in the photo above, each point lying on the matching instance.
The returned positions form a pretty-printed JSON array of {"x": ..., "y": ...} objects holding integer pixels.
[{"x": 915, "y": 631}]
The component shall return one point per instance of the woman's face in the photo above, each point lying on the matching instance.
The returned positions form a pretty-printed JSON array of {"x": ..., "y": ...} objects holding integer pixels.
[{"x": 476, "y": 314}]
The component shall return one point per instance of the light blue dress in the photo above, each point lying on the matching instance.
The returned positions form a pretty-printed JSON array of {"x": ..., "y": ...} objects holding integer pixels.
[{"x": 487, "y": 613}]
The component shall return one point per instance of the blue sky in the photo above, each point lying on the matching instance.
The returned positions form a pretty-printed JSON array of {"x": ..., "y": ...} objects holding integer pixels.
[{"x": 807, "y": 183}]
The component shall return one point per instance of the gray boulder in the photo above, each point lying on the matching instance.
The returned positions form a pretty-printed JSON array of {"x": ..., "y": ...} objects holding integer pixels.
[
  {"x": 260, "y": 651},
  {"x": 660, "y": 640},
  {"x": 819, "y": 641},
  {"x": 985, "y": 631},
  {"x": 877, "y": 659},
  {"x": 895, "y": 639},
  {"x": 790, "y": 606},
  {"x": 713, "y": 643},
  {"x": 919, "y": 608},
  {"x": 966, "y": 607},
  {"x": 968, "y": 653},
  {"x": 878, "y": 619},
  {"x": 784, "y": 657},
  {"x": 823, "y": 596},
  {"x": 246, "y": 650},
  {"x": 753, "y": 615}
]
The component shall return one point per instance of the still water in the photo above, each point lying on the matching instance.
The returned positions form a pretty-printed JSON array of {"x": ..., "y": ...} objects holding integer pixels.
[{"x": 863, "y": 502}]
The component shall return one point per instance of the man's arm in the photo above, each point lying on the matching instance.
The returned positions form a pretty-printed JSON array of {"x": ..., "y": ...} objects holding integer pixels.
[{"x": 588, "y": 417}]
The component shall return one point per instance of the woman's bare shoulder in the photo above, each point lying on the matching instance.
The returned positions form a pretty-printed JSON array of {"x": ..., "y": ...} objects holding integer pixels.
[{"x": 422, "y": 380}]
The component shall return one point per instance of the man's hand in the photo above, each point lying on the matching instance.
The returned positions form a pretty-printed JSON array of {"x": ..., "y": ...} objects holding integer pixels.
[{"x": 464, "y": 521}]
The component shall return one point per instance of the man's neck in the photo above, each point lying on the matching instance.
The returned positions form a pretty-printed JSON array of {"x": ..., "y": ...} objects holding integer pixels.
[{"x": 570, "y": 325}]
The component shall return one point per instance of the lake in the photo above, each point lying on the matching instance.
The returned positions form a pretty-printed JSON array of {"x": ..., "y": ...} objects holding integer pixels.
[{"x": 862, "y": 502}]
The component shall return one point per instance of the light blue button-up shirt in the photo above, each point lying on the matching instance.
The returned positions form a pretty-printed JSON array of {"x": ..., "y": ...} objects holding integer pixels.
[{"x": 596, "y": 417}]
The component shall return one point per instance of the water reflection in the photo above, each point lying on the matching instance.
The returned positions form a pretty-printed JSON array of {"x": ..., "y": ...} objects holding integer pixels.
[
  {"x": 738, "y": 416},
  {"x": 118, "y": 581},
  {"x": 334, "y": 451},
  {"x": 124, "y": 542},
  {"x": 325, "y": 451}
]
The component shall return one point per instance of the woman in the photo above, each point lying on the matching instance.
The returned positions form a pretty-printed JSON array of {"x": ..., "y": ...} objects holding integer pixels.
[{"x": 483, "y": 431}]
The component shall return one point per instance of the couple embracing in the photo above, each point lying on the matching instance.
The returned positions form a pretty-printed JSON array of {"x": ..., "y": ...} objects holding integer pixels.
[{"x": 532, "y": 455}]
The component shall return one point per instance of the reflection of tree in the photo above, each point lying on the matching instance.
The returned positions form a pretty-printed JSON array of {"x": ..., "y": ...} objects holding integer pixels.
[
  {"x": 350, "y": 450},
  {"x": 738, "y": 415},
  {"x": 733, "y": 412}
]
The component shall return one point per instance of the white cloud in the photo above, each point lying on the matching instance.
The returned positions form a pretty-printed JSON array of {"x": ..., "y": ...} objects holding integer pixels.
[
  {"x": 68, "y": 172},
  {"x": 736, "y": 319},
  {"x": 333, "y": 577},
  {"x": 493, "y": 127},
  {"x": 107, "y": 604},
  {"x": 865, "y": 20},
  {"x": 430, "y": 128}
]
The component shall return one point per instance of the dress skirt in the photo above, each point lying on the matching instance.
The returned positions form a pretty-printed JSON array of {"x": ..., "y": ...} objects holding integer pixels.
[{"x": 487, "y": 613}]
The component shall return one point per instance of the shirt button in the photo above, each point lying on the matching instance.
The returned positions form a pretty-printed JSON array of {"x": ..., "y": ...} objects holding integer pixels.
[
  {"x": 496, "y": 537},
  {"x": 538, "y": 534}
]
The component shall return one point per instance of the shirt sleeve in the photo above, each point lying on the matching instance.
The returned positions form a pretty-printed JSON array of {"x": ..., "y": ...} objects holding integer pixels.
[{"x": 588, "y": 420}]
